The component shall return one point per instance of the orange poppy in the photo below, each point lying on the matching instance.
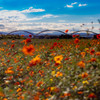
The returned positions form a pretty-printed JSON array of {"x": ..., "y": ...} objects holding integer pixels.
[
  {"x": 83, "y": 54},
  {"x": 28, "y": 50},
  {"x": 59, "y": 74},
  {"x": 19, "y": 89},
  {"x": 39, "y": 83},
  {"x": 36, "y": 97},
  {"x": 98, "y": 53},
  {"x": 93, "y": 59},
  {"x": 81, "y": 64},
  {"x": 84, "y": 75},
  {"x": 58, "y": 59},
  {"x": 80, "y": 92},
  {"x": 66, "y": 31},
  {"x": 35, "y": 60},
  {"x": 9, "y": 71}
]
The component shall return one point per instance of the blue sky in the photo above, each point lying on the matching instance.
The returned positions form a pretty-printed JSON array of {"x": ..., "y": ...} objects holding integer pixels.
[{"x": 26, "y": 13}]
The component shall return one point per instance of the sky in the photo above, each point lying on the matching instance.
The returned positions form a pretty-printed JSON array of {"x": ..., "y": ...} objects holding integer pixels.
[{"x": 37, "y": 15}]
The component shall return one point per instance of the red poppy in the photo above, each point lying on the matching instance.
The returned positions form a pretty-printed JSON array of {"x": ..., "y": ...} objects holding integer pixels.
[
  {"x": 30, "y": 35},
  {"x": 66, "y": 58},
  {"x": 55, "y": 44},
  {"x": 28, "y": 40},
  {"x": 91, "y": 95},
  {"x": 98, "y": 36},
  {"x": 74, "y": 36},
  {"x": 56, "y": 64},
  {"x": 52, "y": 47},
  {"x": 92, "y": 51},
  {"x": 66, "y": 31},
  {"x": 8, "y": 61},
  {"x": 17, "y": 83},
  {"x": 76, "y": 40},
  {"x": 32, "y": 64},
  {"x": 12, "y": 45}
]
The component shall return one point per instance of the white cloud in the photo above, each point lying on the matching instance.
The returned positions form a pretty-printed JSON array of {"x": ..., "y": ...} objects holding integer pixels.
[
  {"x": 14, "y": 19},
  {"x": 74, "y": 3},
  {"x": 31, "y": 9},
  {"x": 16, "y": 16},
  {"x": 80, "y": 5},
  {"x": 12, "y": 15},
  {"x": 71, "y": 5},
  {"x": 39, "y": 26}
]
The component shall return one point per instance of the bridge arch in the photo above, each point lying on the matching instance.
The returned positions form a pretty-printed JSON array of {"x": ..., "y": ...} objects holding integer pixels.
[
  {"x": 51, "y": 30},
  {"x": 87, "y": 31},
  {"x": 21, "y": 30}
]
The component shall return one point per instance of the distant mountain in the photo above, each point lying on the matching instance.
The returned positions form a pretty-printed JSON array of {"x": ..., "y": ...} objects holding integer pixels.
[
  {"x": 3, "y": 33},
  {"x": 85, "y": 35},
  {"x": 50, "y": 33},
  {"x": 47, "y": 33},
  {"x": 21, "y": 32}
]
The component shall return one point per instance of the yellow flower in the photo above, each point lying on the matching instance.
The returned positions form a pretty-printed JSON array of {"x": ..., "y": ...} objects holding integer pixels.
[
  {"x": 53, "y": 73},
  {"x": 58, "y": 59},
  {"x": 52, "y": 88},
  {"x": 87, "y": 49},
  {"x": 51, "y": 79},
  {"x": 85, "y": 82},
  {"x": 74, "y": 88}
]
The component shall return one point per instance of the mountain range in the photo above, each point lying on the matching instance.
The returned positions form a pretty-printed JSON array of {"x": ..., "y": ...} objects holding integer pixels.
[{"x": 50, "y": 33}]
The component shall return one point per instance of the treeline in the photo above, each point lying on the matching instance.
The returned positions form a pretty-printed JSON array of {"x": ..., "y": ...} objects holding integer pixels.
[
  {"x": 2, "y": 36},
  {"x": 11, "y": 37}
]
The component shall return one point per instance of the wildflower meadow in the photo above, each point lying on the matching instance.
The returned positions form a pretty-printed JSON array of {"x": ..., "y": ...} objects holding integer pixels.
[{"x": 50, "y": 69}]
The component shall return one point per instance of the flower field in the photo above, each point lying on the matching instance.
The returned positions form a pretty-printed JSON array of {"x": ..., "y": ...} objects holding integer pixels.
[{"x": 50, "y": 69}]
